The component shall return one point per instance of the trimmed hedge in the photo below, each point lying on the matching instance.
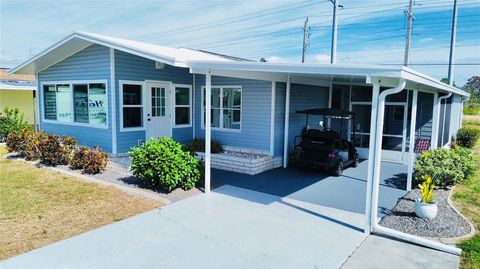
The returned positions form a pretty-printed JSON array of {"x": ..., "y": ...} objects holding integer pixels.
[
  {"x": 450, "y": 166},
  {"x": 467, "y": 137},
  {"x": 161, "y": 162},
  {"x": 198, "y": 145}
]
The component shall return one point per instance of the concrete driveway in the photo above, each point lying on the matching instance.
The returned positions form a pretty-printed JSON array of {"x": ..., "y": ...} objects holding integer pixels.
[{"x": 278, "y": 219}]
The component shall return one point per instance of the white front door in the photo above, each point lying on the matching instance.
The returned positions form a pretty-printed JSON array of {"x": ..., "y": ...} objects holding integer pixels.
[{"x": 158, "y": 122}]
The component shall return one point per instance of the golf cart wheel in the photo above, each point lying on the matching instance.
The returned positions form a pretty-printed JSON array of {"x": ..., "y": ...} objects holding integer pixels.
[
  {"x": 337, "y": 170},
  {"x": 356, "y": 161}
]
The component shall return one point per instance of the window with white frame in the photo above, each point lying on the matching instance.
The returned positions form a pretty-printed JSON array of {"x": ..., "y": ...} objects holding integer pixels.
[
  {"x": 132, "y": 105},
  {"x": 77, "y": 103},
  {"x": 226, "y": 107},
  {"x": 183, "y": 105}
]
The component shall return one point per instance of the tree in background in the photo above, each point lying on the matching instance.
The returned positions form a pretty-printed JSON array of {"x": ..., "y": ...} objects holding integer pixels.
[{"x": 472, "y": 106}]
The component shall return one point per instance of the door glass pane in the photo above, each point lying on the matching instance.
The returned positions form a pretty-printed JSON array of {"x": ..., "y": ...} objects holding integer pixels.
[
  {"x": 64, "y": 103},
  {"x": 393, "y": 123},
  {"x": 362, "y": 93},
  {"x": 80, "y": 103},
  {"x": 362, "y": 125}
]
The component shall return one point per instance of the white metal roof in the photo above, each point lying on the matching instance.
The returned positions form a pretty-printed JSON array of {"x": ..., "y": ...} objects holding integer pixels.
[
  {"x": 8, "y": 86},
  {"x": 305, "y": 72},
  {"x": 81, "y": 40},
  {"x": 200, "y": 62}
]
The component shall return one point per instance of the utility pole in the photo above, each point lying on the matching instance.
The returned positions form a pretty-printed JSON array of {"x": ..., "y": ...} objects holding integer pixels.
[
  {"x": 410, "y": 16},
  {"x": 452, "y": 44},
  {"x": 333, "y": 52},
  {"x": 306, "y": 39}
]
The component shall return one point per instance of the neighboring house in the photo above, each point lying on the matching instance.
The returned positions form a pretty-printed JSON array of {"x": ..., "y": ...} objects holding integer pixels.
[
  {"x": 119, "y": 93},
  {"x": 18, "y": 91}
]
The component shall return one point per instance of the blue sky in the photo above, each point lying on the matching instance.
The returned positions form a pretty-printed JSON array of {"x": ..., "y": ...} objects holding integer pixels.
[{"x": 370, "y": 31}]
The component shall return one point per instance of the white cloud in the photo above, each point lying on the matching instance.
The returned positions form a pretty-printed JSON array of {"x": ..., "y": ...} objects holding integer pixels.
[
  {"x": 321, "y": 58},
  {"x": 427, "y": 40}
]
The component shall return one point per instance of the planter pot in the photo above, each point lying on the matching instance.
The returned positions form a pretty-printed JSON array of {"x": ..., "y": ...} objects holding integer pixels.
[{"x": 426, "y": 211}]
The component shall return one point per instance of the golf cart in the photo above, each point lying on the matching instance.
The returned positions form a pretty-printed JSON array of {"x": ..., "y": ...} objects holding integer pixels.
[{"x": 324, "y": 147}]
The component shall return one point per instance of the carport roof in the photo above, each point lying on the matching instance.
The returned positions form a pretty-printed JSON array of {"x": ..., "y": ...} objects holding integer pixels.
[
  {"x": 309, "y": 73},
  {"x": 201, "y": 61}
]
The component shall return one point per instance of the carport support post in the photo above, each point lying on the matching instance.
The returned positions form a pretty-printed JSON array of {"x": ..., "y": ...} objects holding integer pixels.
[
  {"x": 371, "y": 152},
  {"x": 287, "y": 119},
  {"x": 435, "y": 122},
  {"x": 411, "y": 144},
  {"x": 208, "y": 128}
]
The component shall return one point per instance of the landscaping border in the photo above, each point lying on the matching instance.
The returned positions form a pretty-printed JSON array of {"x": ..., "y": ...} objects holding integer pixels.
[
  {"x": 126, "y": 189},
  {"x": 455, "y": 240}
]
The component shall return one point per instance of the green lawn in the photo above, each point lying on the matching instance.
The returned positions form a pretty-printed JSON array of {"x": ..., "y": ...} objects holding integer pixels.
[
  {"x": 40, "y": 207},
  {"x": 467, "y": 199}
]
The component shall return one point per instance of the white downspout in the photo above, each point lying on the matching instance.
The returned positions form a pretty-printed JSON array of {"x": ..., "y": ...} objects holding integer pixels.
[
  {"x": 377, "y": 155},
  {"x": 287, "y": 119},
  {"x": 444, "y": 114}
]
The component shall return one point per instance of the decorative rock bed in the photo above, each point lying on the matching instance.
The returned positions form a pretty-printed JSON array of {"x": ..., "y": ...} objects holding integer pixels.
[{"x": 447, "y": 224}]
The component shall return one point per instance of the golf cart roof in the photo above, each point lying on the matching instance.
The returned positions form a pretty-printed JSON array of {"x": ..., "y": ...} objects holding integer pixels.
[{"x": 329, "y": 112}]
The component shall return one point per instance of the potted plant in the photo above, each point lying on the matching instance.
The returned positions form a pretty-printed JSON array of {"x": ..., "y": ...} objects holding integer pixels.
[{"x": 426, "y": 207}]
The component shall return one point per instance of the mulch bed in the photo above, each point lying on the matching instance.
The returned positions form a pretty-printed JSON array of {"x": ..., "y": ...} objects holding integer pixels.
[{"x": 446, "y": 224}]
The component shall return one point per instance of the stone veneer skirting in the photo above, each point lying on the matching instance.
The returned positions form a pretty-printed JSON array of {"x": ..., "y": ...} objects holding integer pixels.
[{"x": 251, "y": 166}]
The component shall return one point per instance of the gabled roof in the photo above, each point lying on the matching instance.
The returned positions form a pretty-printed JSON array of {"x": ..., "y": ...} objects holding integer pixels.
[
  {"x": 200, "y": 62},
  {"x": 81, "y": 40},
  {"x": 16, "y": 81}
]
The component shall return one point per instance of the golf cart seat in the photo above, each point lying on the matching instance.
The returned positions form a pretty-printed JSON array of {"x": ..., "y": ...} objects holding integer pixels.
[{"x": 320, "y": 136}]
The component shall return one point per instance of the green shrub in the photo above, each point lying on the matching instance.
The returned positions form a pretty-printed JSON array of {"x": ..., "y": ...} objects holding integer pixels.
[
  {"x": 198, "y": 145},
  {"x": 56, "y": 151},
  {"x": 163, "y": 163},
  {"x": 11, "y": 120},
  {"x": 467, "y": 137},
  {"x": 96, "y": 161},
  {"x": 451, "y": 166}
]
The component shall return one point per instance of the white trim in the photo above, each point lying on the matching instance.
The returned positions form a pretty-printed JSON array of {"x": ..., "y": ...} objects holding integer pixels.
[
  {"x": 120, "y": 94},
  {"x": 435, "y": 122},
  {"x": 411, "y": 144},
  {"x": 287, "y": 121},
  {"x": 190, "y": 105},
  {"x": 113, "y": 118},
  {"x": 193, "y": 106},
  {"x": 7, "y": 87},
  {"x": 208, "y": 128},
  {"x": 222, "y": 129},
  {"x": 71, "y": 83},
  {"x": 272, "y": 119}
]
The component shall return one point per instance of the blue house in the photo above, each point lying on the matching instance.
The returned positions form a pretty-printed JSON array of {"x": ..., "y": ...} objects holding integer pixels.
[{"x": 118, "y": 93}]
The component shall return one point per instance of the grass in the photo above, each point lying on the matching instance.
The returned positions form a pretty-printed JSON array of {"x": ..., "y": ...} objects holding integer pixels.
[
  {"x": 466, "y": 198},
  {"x": 40, "y": 207}
]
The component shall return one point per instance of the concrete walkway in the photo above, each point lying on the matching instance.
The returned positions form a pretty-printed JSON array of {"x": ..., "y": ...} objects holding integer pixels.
[{"x": 380, "y": 252}]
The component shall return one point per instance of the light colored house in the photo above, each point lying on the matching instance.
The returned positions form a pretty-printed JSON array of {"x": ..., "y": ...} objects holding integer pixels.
[
  {"x": 119, "y": 93},
  {"x": 18, "y": 91}
]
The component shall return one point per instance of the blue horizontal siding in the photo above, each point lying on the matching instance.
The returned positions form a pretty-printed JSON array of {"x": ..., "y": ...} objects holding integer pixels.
[
  {"x": 132, "y": 67},
  {"x": 304, "y": 97},
  {"x": 255, "y": 117},
  {"x": 279, "y": 118},
  {"x": 92, "y": 63}
]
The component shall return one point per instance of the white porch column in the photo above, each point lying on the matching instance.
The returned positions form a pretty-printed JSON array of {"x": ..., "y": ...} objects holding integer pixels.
[
  {"x": 272, "y": 119},
  {"x": 287, "y": 119},
  {"x": 435, "y": 122},
  {"x": 371, "y": 152},
  {"x": 208, "y": 128},
  {"x": 411, "y": 144}
]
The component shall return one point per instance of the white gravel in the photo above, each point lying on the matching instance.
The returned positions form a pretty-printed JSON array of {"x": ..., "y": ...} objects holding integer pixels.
[{"x": 447, "y": 223}]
